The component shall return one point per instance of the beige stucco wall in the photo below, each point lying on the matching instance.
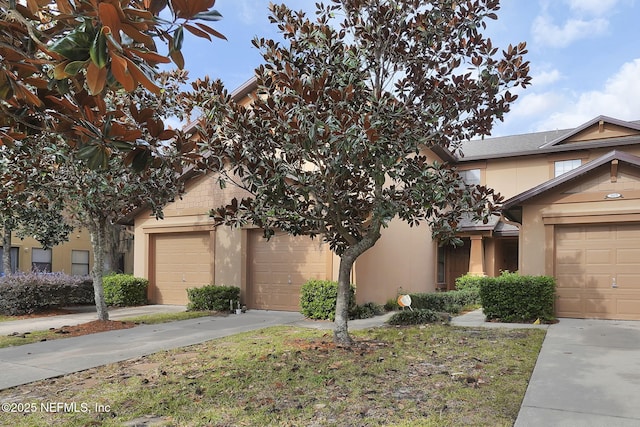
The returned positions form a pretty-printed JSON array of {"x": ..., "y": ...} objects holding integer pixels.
[
  {"x": 404, "y": 257},
  {"x": 513, "y": 176},
  {"x": 79, "y": 239}
]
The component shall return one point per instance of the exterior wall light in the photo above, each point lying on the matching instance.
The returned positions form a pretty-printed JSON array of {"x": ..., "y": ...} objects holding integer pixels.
[{"x": 613, "y": 196}]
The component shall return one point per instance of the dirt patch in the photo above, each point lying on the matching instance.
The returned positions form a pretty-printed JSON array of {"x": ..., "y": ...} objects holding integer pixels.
[
  {"x": 46, "y": 313},
  {"x": 92, "y": 328}
]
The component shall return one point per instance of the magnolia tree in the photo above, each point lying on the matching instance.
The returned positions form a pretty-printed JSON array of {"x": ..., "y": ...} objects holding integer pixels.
[
  {"x": 333, "y": 145},
  {"x": 67, "y": 67},
  {"x": 29, "y": 197},
  {"x": 98, "y": 198}
]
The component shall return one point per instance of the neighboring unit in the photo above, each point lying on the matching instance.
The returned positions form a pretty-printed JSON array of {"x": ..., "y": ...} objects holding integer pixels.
[{"x": 73, "y": 257}]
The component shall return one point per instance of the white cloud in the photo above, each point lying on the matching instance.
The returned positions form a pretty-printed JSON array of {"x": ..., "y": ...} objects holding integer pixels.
[
  {"x": 545, "y": 78},
  {"x": 619, "y": 98},
  {"x": 546, "y": 32},
  {"x": 592, "y": 7}
]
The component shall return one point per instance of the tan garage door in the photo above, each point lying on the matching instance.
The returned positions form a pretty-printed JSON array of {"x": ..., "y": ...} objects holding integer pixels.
[
  {"x": 597, "y": 268},
  {"x": 277, "y": 269},
  {"x": 182, "y": 260}
]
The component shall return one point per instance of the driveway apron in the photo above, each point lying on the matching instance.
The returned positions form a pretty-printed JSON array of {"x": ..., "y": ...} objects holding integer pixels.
[{"x": 587, "y": 375}]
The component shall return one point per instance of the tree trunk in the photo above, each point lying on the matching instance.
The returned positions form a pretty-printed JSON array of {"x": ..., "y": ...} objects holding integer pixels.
[
  {"x": 97, "y": 242},
  {"x": 6, "y": 249},
  {"x": 340, "y": 329},
  {"x": 347, "y": 259}
]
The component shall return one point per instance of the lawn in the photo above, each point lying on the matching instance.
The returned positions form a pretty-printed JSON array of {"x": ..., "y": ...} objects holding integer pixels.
[{"x": 432, "y": 375}]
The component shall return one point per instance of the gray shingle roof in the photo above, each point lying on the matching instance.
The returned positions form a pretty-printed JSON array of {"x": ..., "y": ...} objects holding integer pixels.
[{"x": 541, "y": 142}]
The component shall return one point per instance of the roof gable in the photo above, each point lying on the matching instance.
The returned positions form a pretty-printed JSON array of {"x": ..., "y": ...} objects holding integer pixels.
[
  {"x": 510, "y": 206},
  {"x": 602, "y": 127}
]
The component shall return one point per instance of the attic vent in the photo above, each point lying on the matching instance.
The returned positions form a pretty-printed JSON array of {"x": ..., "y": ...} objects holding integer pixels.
[{"x": 601, "y": 126}]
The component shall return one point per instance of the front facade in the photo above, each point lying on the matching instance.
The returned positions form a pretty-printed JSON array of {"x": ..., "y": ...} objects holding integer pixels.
[{"x": 571, "y": 211}]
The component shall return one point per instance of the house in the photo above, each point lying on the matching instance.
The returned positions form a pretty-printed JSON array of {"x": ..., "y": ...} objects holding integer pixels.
[
  {"x": 73, "y": 257},
  {"x": 571, "y": 211}
]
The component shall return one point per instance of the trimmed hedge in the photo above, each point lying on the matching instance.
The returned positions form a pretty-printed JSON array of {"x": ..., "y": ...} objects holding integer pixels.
[
  {"x": 32, "y": 292},
  {"x": 514, "y": 298},
  {"x": 469, "y": 282},
  {"x": 450, "y": 302},
  {"x": 418, "y": 317},
  {"x": 125, "y": 290},
  {"x": 318, "y": 299},
  {"x": 212, "y": 297},
  {"x": 367, "y": 311}
]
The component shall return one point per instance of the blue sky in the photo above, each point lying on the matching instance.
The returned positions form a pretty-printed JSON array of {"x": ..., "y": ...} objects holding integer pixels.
[{"x": 584, "y": 54}]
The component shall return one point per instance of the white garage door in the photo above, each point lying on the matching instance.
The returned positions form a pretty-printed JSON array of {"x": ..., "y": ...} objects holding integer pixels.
[
  {"x": 277, "y": 269},
  {"x": 597, "y": 268},
  {"x": 182, "y": 260}
]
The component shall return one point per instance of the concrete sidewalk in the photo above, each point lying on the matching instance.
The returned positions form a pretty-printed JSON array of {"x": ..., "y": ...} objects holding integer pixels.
[{"x": 587, "y": 375}]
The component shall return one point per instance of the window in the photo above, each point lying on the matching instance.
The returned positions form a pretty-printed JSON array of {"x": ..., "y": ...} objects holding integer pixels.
[
  {"x": 441, "y": 265},
  {"x": 13, "y": 256},
  {"x": 471, "y": 176},
  {"x": 564, "y": 166},
  {"x": 79, "y": 263},
  {"x": 41, "y": 260}
]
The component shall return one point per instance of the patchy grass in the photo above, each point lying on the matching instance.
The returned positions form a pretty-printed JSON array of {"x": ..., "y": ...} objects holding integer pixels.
[
  {"x": 284, "y": 376},
  {"x": 97, "y": 326},
  {"x": 151, "y": 319}
]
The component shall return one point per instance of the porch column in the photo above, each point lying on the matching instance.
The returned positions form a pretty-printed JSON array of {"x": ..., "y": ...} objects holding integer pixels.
[{"x": 476, "y": 257}]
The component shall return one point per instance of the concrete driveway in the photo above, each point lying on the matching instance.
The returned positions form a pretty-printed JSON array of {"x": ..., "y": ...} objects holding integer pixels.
[{"x": 587, "y": 375}]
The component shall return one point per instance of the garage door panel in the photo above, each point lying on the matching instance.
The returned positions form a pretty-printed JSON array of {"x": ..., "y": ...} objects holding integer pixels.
[
  {"x": 277, "y": 269},
  {"x": 588, "y": 259},
  {"x": 599, "y": 256},
  {"x": 571, "y": 305},
  {"x": 182, "y": 261},
  {"x": 630, "y": 256}
]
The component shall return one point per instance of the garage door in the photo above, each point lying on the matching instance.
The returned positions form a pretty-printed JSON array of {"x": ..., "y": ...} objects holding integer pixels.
[
  {"x": 182, "y": 260},
  {"x": 277, "y": 269},
  {"x": 598, "y": 271}
]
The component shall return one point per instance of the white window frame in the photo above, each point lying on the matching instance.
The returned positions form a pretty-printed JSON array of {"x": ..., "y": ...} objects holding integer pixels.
[
  {"x": 560, "y": 167},
  {"x": 14, "y": 253},
  {"x": 41, "y": 260},
  {"x": 471, "y": 176},
  {"x": 79, "y": 262}
]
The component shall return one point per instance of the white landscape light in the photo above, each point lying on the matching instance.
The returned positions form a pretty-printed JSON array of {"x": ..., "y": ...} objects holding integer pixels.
[{"x": 611, "y": 196}]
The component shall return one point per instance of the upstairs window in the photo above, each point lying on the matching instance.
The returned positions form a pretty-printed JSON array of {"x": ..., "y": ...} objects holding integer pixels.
[
  {"x": 564, "y": 166},
  {"x": 471, "y": 176}
]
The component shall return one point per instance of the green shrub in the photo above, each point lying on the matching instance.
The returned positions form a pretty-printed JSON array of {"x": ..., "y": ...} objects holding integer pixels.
[
  {"x": 418, "y": 317},
  {"x": 469, "y": 282},
  {"x": 391, "y": 304},
  {"x": 212, "y": 297},
  {"x": 125, "y": 290},
  {"x": 32, "y": 292},
  {"x": 318, "y": 299},
  {"x": 450, "y": 302},
  {"x": 366, "y": 311},
  {"x": 514, "y": 298}
]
